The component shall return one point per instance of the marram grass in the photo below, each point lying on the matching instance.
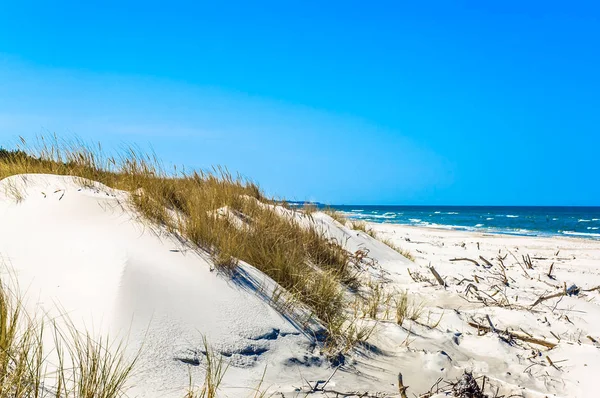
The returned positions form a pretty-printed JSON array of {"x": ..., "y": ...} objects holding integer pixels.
[{"x": 226, "y": 215}]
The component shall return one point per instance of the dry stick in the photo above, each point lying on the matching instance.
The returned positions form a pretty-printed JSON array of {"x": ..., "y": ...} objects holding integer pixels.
[
  {"x": 552, "y": 363},
  {"x": 544, "y": 298},
  {"x": 521, "y": 265},
  {"x": 527, "y": 261},
  {"x": 486, "y": 261},
  {"x": 514, "y": 335},
  {"x": 491, "y": 324},
  {"x": 466, "y": 259},
  {"x": 527, "y": 333},
  {"x": 401, "y": 387},
  {"x": 330, "y": 377},
  {"x": 550, "y": 271},
  {"x": 592, "y": 289},
  {"x": 437, "y": 276}
]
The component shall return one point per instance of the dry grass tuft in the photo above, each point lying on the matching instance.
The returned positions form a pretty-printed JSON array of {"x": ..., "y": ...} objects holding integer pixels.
[
  {"x": 87, "y": 369},
  {"x": 405, "y": 252},
  {"x": 21, "y": 353},
  {"x": 407, "y": 308},
  {"x": 98, "y": 369},
  {"x": 362, "y": 226},
  {"x": 215, "y": 369},
  {"x": 336, "y": 215}
]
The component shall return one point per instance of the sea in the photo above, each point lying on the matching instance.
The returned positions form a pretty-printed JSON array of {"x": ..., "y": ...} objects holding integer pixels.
[{"x": 581, "y": 222}]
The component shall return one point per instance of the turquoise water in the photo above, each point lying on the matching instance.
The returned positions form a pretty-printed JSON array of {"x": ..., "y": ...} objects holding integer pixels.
[{"x": 583, "y": 222}]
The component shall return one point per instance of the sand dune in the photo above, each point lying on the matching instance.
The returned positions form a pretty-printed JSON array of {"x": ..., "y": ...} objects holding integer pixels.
[{"x": 82, "y": 251}]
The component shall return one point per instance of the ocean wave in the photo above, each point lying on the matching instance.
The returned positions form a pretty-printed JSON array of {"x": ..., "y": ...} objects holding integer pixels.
[
  {"x": 583, "y": 220},
  {"x": 361, "y": 216},
  {"x": 386, "y": 216},
  {"x": 357, "y": 211},
  {"x": 511, "y": 216},
  {"x": 595, "y": 219},
  {"x": 415, "y": 220},
  {"x": 452, "y": 213},
  {"x": 437, "y": 212},
  {"x": 573, "y": 233},
  {"x": 592, "y": 228},
  {"x": 478, "y": 225},
  {"x": 490, "y": 218}
]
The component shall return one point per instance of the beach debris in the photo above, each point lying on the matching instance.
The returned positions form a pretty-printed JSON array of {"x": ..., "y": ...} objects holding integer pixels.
[
  {"x": 437, "y": 276},
  {"x": 466, "y": 259},
  {"x": 401, "y": 387},
  {"x": 511, "y": 335},
  {"x": 527, "y": 261},
  {"x": 573, "y": 290},
  {"x": 489, "y": 265},
  {"x": 552, "y": 363},
  {"x": 550, "y": 272},
  {"x": 467, "y": 387}
]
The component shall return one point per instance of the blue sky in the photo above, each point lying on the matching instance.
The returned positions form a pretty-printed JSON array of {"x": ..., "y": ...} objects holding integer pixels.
[{"x": 462, "y": 102}]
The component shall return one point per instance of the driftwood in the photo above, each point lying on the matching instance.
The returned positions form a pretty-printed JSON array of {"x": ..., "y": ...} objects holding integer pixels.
[
  {"x": 437, "y": 276},
  {"x": 544, "y": 298},
  {"x": 513, "y": 335},
  {"x": 550, "y": 271},
  {"x": 401, "y": 387},
  {"x": 490, "y": 265},
  {"x": 552, "y": 363},
  {"x": 527, "y": 261},
  {"x": 466, "y": 259}
]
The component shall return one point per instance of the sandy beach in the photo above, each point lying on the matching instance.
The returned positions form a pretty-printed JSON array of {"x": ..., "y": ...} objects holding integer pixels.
[
  {"x": 490, "y": 276},
  {"x": 519, "y": 313}
]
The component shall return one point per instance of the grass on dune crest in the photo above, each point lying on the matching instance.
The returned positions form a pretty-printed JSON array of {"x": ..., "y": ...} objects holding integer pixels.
[
  {"x": 227, "y": 216},
  {"x": 405, "y": 252},
  {"x": 362, "y": 226},
  {"x": 336, "y": 215}
]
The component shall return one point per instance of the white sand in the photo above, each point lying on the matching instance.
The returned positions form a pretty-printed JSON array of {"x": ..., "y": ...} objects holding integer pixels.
[
  {"x": 83, "y": 252},
  {"x": 571, "y": 319}
]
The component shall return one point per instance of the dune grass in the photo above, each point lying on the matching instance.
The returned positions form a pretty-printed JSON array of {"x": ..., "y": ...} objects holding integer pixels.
[
  {"x": 227, "y": 216},
  {"x": 215, "y": 369},
  {"x": 362, "y": 226},
  {"x": 86, "y": 368},
  {"x": 405, "y": 252},
  {"x": 21, "y": 354},
  {"x": 336, "y": 215}
]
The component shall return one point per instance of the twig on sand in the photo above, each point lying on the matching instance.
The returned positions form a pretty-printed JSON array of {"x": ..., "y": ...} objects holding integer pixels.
[
  {"x": 490, "y": 265},
  {"x": 514, "y": 335},
  {"x": 527, "y": 261},
  {"x": 544, "y": 298},
  {"x": 437, "y": 276},
  {"x": 492, "y": 327},
  {"x": 592, "y": 289},
  {"x": 552, "y": 363},
  {"x": 550, "y": 271},
  {"x": 401, "y": 387},
  {"x": 329, "y": 379},
  {"x": 466, "y": 259}
]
